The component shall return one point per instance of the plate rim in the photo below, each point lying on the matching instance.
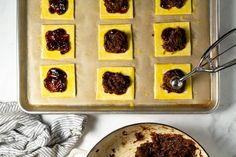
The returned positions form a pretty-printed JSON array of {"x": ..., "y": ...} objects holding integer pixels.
[{"x": 146, "y": 123}]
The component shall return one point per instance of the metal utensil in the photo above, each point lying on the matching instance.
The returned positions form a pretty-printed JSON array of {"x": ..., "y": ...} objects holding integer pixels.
[{"x": 206, "y": 63}]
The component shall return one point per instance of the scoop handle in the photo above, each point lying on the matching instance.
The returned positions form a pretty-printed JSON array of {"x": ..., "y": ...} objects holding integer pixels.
[{"x": 226, "y": 65}]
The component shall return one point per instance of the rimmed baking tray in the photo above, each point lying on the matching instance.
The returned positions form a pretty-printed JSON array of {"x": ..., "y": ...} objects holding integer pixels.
[{"x": 204, "y": 31}]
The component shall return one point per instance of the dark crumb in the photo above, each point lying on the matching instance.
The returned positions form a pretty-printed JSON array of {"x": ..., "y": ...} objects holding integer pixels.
[
  {"x": 123, "y": 143},
  {"x": 145, "y": 127},
  {"x": 97, "y": 150},
  {"x": 152, "y": 35},
  {"x": 139, "y": 136},
  {"x": 113, "y": 150},
  {"x": 56, "y": 80},
  {"x": 169, "y": 76},
  {"x": 124, "y": 133},
  {"x": 167, "y": 145},
  {"x": 116, "y": 6},
  {"x": 115, "y": 41},
  {"x": 174, "y": 39},
  {"x": 167, "y": 128},
  {"x": 58, "y": 40},
  {"x": 168, "y": 4},
  {"x": 58, "y": 6},
  {"x": 116, "y": 83},
  {"x": 112, "y": 155}
]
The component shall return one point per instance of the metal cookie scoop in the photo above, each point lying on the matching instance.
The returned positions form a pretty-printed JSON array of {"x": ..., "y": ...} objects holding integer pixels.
[{"x": 206, "y": 63}]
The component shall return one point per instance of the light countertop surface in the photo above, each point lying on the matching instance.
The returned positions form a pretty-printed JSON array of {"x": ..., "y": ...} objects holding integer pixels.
[{"x": 216, "y": 132}]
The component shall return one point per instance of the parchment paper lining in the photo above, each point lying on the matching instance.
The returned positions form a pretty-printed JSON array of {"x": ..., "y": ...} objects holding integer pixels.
[{"x": 86, "y": 22}]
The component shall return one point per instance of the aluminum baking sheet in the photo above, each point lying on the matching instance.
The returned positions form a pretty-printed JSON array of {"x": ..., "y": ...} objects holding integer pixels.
[{"x": 204, "y": 29}]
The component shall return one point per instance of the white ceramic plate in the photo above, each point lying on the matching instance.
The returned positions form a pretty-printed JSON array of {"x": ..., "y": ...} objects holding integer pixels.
[{"x": 123, "y": 142}]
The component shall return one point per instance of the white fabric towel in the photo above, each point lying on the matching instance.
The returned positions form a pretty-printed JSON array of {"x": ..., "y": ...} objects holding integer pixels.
[{"x": 25, "y": 135}]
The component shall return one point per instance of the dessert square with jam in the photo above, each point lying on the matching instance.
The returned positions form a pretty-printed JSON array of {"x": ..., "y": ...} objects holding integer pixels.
[
  {"x": 162, "y": 94},
  {"x": 121, "y": 94},
  {"x": 173, "y": 7},
  {"x": 172, "y": 45},
  {"x": 57, "y": 9},
  {"x": 48, "y": 79},
  {"x": 118, "y": 9},
  {"x": 58, "y": 42},
  {"x": 126, "y": 49}
]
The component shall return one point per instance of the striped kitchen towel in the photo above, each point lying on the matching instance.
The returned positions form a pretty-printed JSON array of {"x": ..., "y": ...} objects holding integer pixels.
[{"x": 26, "y": 135}]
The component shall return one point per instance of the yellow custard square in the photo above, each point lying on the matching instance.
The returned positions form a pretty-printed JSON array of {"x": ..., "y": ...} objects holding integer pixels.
[
  {"x": 158, "y": 41},
  {"x": 105, "y": 15},
  {"x": 159, "y": 93},
  {"x": 186, "y": 9},
  {"x": 69, "y": 69},
  {"x": 68, "y": 15},
  {"x": 46, "y": 54},
  {"x": 103, "y": 55},
  {"x": 101, "y": 95}
]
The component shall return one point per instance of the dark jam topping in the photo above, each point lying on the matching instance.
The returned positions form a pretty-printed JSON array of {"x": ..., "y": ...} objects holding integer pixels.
[
  {"x": 139, "y": 136},
  {"x": 58, "y": 40},
  {"x": 174, "y": 39},
  {"x": 116, "y": 6},
  {"x": 168, "y": 4},
  {"x": 167, "y": 145},
  {"x": 115, "y": 83},
  {"x": 169, "y": 76},
  {"x": 56, "y": 80},
  {"x": 58, "y": 6},
  {"x": 115, "y": 41}
]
